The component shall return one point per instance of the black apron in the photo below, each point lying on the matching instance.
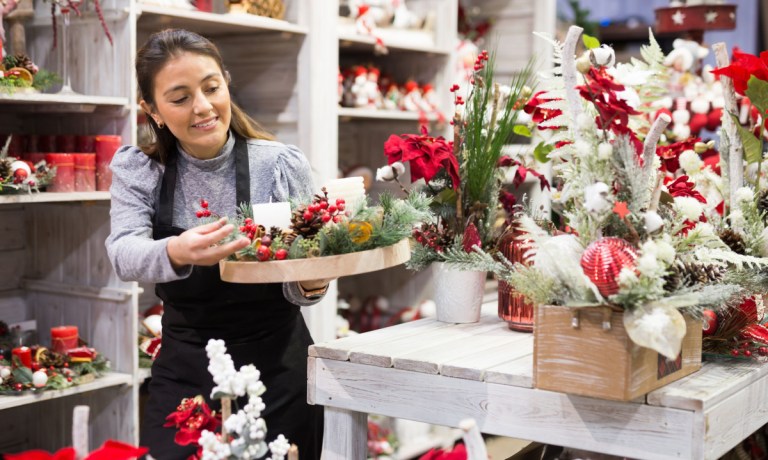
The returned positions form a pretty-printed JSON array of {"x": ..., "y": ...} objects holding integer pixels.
[{"x": 258, "y": 325}]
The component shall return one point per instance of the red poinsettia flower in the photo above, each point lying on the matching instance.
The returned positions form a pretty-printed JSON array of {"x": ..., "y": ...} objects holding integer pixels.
[
  {"x": 539, "y": 115},
  {"x": 670, "y": 154},
  {"x": 427, "y": 155},
  {"x": 743, "y": 67},
  {"x": 613, "y": 112},
  {"x": 459, "y": 452},
  {"x": 191, "y": 417},
  {"x": 682, "y": 187}
]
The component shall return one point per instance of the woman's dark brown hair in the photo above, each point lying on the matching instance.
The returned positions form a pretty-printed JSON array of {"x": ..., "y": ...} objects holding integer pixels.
[{"x": 152, "y": 57}]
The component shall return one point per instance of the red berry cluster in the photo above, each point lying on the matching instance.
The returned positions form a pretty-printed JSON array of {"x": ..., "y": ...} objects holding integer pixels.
[
  {"x": 249, "y": 228},
  {"x": 457, "y": 100},
  {"x": 748, "y": 349},
  {"x": 325, "y": 211},
  {"x": 204, "y": 212},
  {"x": 482, "y": 58},
  {"x": 264, "y": 252},
  {"x": 430, "y": 238}
]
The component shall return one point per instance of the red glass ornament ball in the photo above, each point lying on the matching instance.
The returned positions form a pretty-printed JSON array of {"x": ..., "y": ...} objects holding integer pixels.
[
  {"x": 604, "y": 259},
  {"x": 709, "y": 322}
]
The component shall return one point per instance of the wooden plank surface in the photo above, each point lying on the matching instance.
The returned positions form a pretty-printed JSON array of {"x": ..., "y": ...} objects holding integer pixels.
[
  {"x": 517, "y": 373},
  {"x": 715, "y": 382},
  {"x": 436, "y": 340},
  {"x": 626, "y": 429},
  {"x": 340, "y": 349},
  {"x": 108, "y": 380},
  {"x": 475, "y": 364},
  {"x": 475, "y": 339}
]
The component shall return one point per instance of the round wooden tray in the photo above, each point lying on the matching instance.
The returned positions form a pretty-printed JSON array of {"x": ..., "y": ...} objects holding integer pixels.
[{"x": 315, "y": 267}]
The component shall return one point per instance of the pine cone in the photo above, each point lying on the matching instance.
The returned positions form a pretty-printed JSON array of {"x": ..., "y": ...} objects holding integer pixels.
[
  {"x": 674, "y": 278},
  {"x": 693, "y": 273},
  {"x": 48, "y": 358},
  {"x": 5, "y": 169},
  {"x": 733, "y": 240},
  {"x": 305, "y": 228},
  {"x": 762, "y": 203},
  {"x": 289, "y": 237},
  {"x": 20, "y": 60}
]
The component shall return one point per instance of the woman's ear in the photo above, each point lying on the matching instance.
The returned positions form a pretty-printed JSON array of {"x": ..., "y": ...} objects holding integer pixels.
[{"x": 146, "y": 107}]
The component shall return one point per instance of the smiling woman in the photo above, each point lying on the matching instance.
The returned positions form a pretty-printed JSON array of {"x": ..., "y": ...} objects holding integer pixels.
[{"x": 205, "y": 146}]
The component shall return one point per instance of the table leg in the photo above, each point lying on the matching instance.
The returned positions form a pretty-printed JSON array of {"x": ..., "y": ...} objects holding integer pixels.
[{"x": 345, "y": 435}]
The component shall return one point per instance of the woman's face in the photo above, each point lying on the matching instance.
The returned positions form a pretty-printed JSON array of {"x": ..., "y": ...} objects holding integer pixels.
[{"x": 192, "y": 100}]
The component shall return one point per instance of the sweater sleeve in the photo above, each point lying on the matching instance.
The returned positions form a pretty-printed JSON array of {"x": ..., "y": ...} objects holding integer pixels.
[
  {"x": 134, "y": 254},
  {"x": 293, "y": 180}
]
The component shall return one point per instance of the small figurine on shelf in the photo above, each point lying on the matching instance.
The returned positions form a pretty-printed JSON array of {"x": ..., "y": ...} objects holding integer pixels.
[
  {"x": 359, "y": 87},
  {"x": 392, "y": 97},
  {"x": 405, "y": 18},
  {"x": 372, "y": 90},
  {"x": 411, "y": 101}
]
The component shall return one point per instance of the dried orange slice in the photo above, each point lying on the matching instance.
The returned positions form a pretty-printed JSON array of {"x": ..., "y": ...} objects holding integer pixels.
[{"x": 22, "y": 73}]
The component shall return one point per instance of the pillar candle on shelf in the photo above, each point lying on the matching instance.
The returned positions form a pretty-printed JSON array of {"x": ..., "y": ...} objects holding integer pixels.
[
  {"x": 272, "y": 215},
  {"x": 350, "y": 189},
  {"x": 64, "y": 179},
  {"x": 85, "y": 172},
  {"x": 64, "y": 338},
  {"x": 105, "y": 147},
  {"x": 24, "y": 354}
]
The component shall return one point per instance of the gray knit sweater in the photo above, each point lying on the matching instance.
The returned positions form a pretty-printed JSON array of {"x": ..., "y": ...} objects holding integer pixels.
[{"x": 278, "y": 172}]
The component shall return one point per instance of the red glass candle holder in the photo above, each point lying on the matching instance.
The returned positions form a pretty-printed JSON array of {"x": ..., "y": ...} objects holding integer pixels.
[
  {"x": 65, "y": 143},
  {"x": 105, "y": 147},
  {"x": 85, "y": 172},
  {"x": 85, "y": 144},
  {"x": 64, "y": 338},
  {"x": 25, "y": 356},
  {"x": 64, "y": 179},
  {"x": 513, "y": 307}
]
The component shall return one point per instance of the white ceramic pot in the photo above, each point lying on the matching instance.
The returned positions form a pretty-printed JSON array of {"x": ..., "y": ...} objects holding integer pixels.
[{"x": 458, "y": 294}]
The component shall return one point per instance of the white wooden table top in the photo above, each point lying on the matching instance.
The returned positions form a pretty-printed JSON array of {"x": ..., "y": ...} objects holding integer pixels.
[{"x": 709, "y": 411}]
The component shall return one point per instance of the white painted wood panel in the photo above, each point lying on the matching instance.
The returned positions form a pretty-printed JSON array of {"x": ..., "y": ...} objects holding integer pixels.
[
  {"x": 517, "y": 373},
  {"x": 347, "y": 432},
  {"x": 429, "y": 355},
  {"x": 475, "y": 364},
  {"x": 632, "y": 430},
  {"x": 708, "y": 387},
  {"x": 385, "y": 352},
  {"x": 13, "y": 306},
  {"x": 53, "y": 197}
]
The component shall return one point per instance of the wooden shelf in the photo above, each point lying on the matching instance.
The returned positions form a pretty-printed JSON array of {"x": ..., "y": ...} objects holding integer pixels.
[
  {"x": 46, "y": 197},
  {"x": 112, "y": 379},
  {"x": 153, "y": 17},
  {"x": 143, "y": 374},
  {"x": 394, "y": 39},
  {"x": 373, "y": 114},
  {"x": 61, "y": 103}
]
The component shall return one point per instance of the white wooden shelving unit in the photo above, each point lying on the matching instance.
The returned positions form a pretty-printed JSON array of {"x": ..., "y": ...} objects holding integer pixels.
[{"x": 284, "y": 74}]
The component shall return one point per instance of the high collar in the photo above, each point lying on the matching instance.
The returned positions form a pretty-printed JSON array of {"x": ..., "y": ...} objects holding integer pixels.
[{"x": 211, "y": 163}]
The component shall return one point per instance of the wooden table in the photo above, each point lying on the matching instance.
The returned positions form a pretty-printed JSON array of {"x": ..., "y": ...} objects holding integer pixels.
[{"x": 442, "y": 373}]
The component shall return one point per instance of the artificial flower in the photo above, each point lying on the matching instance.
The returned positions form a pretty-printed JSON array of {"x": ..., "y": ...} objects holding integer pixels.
[
  {"x": 681, "y": 187},
  {"x": 538, "y": 114},
  {"x": 670, "y": 154},
  {"x": 459, "y": 452},
  {"x": 743, "y": 67},
  {"x": 191, "y": 418},
  {"x": 427, "y": 155}
]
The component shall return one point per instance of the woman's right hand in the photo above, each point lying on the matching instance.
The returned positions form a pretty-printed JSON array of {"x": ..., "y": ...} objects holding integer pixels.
[{"x": 197, "y": 246}]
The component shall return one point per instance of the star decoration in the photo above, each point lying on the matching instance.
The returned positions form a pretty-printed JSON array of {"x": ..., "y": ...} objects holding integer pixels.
[
  {"x": 711, "y": 16},
  {"x": 620, "y": 209},
  {"x": 678, "y": 18}
]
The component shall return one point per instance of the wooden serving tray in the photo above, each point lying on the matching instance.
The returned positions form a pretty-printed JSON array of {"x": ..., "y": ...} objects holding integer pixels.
[{"x": 281, "y": 271}]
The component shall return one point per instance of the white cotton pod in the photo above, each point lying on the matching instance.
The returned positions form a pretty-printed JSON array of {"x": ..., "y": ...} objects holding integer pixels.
[
  {"x": 39, "y": 379},
  {"x": 652, "y": 221}
]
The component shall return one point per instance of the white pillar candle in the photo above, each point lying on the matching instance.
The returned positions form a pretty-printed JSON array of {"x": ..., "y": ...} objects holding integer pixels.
[
  {"x": 272, "y": 215},
  {"x": 350, "y": 189}
]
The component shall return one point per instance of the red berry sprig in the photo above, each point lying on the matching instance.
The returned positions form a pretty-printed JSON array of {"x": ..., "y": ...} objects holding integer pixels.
[
  {"x": 327, "y": 212},
  {"x": 249, "y": 228},
  {"x": 204, "y": 212}
]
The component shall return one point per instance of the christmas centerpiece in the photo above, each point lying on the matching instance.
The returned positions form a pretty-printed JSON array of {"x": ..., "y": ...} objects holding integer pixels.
[
  {"x": 243, "y": 433},
  {"x": 328, "y": 237},
  {"x": 17, "y": 175},
  {"x": 463, "y": 177},
  {"x": 632, "y": 260}
]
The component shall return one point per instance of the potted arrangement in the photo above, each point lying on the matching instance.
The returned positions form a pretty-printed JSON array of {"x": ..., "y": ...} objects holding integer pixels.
[
  {"x": 463, "y": 178},
  {"x": 635, "y": 261}
]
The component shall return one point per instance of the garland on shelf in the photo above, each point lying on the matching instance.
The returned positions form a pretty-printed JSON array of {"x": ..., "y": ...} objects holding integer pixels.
[{"x": 18, "y": 176}]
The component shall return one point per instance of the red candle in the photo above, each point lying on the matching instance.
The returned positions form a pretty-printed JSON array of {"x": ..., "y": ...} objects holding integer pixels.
[
  {"x": 106, "y": 146},
  {"x": 64, "y": 338},
  {"x": 85, "y": 172},
  {"x": 25, "y": 356},
  {"x": 64, "y": 179},
  {"x": 85, "y": 144}
]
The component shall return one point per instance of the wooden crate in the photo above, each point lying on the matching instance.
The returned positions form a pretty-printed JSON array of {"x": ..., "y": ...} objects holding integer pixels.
[{"x": 589, "y": 360}]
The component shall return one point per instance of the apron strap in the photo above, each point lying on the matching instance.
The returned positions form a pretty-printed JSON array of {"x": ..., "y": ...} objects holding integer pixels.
[{"x": 164, "y": 214}]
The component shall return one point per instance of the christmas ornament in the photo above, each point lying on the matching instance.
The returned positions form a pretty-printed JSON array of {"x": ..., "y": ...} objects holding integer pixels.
[
  {"x": 471, "y": 238},
  {"x": 709, "y": 325},
  {"x": 5, "y": 372},
  {"x": 604, "y": 259},
  {"x": 39, "y": 379}
]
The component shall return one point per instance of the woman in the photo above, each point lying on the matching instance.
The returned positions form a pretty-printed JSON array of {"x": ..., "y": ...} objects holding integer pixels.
[{"x": 205, "y": 147}]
